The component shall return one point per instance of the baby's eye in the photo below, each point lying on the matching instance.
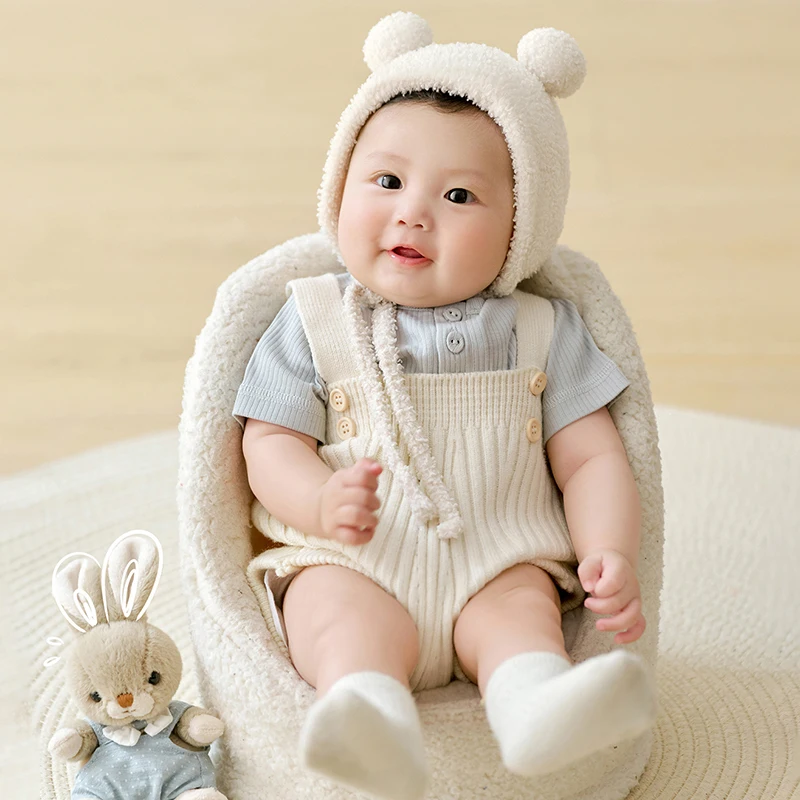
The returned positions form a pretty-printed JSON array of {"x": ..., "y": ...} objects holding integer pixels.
[
  {"x": 392, "y": 177},
  {"x": 96, "y": 697},
  {"x": 154, "y": 678},
  {"x": 461, "y": 193}
]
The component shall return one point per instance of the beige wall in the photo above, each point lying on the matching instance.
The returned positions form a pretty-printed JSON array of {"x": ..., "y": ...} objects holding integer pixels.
[{"x": 145, "y": 154}]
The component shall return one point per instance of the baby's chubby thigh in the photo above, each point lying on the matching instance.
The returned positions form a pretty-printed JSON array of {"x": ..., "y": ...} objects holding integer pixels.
[
  {"x": 338, "y": 621},
  {"x": 516, "y": 612}
]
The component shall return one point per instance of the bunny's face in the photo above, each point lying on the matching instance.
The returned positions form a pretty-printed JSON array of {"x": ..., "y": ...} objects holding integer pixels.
[{"x": 123, "y": 671}]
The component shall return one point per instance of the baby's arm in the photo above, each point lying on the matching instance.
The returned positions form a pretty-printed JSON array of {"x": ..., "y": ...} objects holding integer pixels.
[
  {"x": 601, "y": 503},
  {"x": 298, "y": 488}
]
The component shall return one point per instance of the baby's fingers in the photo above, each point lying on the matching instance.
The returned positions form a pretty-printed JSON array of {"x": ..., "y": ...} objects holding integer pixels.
[
  {"x": 347, "y": 535},
  {"x": 355, "y": 516},
  {"x": 632, "y": 634},
  {"x": 610, "y": 605},
  {"x": 589, "y": 571},
  {"x": 611, "y": 581},
  {"x": 624, "y": 620},
  {"x": 355, "y": 525},
  {"x": 358, "y": 496},
  {"x": 364, "y": 473}
]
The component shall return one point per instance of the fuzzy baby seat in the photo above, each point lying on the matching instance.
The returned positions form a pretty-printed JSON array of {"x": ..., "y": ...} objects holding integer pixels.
[
  {"x": 248, "y": 680},
  {"x": 244, "y": 671}
]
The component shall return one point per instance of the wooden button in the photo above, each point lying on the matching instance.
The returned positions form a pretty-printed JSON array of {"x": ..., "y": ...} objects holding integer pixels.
[
  {"x": 538, "y": 382},
  {"x": 339, "y": 400},
  {"x": 346, "y": 428},
  {"x": 533, "y": 430}
]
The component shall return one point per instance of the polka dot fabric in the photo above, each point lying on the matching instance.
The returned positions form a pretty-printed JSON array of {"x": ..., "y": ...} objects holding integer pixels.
[{"x": 155, "y": 768}]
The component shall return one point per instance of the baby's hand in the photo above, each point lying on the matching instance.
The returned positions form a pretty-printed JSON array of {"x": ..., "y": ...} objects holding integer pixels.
[
  {"x": 611, "y": 579},
  {"x": 347, "y": 502}
]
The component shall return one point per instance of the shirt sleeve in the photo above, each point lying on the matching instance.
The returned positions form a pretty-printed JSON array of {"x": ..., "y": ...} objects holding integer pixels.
[
  {"x": 281, "y": 384},
  {"x": 580, "y": 378}
]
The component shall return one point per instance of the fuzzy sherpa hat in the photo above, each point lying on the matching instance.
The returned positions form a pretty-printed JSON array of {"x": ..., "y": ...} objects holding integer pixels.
[{"x": 517, "y": 93}]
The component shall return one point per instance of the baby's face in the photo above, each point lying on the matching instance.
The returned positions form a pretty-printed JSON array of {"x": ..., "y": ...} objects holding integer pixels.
[{"x": 441, "y": 183}]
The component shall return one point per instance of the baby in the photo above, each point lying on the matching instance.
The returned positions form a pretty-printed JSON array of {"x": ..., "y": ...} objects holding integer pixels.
[{"x": 408, "y": 424}]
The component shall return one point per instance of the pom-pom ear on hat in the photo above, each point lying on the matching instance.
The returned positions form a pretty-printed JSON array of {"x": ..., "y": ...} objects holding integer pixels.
[
  {"x": 394, "y": 35},
  {"x": 554, "y": 57}
]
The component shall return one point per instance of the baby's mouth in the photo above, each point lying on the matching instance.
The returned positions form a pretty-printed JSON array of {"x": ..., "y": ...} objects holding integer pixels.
[
  {"x": 407, "y": 252},
  {"x": 409, "y": 257}
]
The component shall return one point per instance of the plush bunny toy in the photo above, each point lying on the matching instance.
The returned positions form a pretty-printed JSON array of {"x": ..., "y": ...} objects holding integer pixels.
[{"x": 136, "y": 743}]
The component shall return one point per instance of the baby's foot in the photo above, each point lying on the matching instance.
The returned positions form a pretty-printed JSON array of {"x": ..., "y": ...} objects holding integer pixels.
[
  {"x": 365, "y": 732},
  {"x": 547, "y": 714}
]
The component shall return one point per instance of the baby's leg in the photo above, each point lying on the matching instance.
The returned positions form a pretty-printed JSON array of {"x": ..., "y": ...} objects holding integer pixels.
[
  {"x": 517, "y": 612},
  {"x": 544, "y": 712},
  {"x": 358, "y": 646},
  {"x": 338, "y": 621}
]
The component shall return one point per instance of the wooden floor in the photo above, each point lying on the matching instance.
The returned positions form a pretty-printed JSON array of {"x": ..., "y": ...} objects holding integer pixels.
[{"x": 149, "y": 149}]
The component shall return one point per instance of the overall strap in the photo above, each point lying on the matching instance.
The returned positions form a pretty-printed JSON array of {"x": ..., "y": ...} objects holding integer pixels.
[
  {"x": 176, "y": 708},
  {"x": 319, "y": 303},
  {"x": 535, "y": 320}
]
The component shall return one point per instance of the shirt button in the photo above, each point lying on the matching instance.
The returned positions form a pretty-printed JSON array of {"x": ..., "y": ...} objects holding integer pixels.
[
  {"x": 455, "y": 342},
  {"x": 453, "y": 314},
  {"x": 339, "y": 400},
  {"x": 533, "y": 430},
  {"x": 346, "y": 428},
  {"x": 538, "y": 382}
]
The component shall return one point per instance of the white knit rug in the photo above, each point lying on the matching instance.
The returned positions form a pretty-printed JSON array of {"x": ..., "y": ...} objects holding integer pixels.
[{"x": 729, "y": 674}]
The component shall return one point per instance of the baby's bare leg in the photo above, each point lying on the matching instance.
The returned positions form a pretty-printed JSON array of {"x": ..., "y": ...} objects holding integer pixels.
[
  {"x": 358, "y": 646},
  {"x": 338, "y": 622},
  {"x": 545, "y": 712},
  {"x": 517, "y": 612}
]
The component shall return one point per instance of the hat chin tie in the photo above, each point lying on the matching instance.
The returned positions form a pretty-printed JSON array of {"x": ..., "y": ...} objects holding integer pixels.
[{"x": 387, "y": 393}]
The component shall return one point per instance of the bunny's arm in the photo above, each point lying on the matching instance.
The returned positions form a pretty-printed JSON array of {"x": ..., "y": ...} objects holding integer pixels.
[
  {"x": 73, "y": 743},
  {"x": 198, "y": 727}
]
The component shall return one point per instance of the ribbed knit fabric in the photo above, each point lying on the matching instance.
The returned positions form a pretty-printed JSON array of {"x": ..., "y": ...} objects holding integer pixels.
[{"x": 476, "y": 426}]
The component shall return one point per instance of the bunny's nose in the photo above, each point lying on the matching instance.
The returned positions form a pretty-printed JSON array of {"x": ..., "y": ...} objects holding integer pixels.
[{"x": 125, "y": 700}]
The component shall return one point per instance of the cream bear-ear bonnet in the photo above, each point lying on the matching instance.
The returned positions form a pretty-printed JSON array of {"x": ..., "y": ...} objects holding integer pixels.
[{"x": 517, "y": 93}]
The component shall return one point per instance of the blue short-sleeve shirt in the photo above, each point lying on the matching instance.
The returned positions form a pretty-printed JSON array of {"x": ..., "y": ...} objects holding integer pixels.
[{"x": 281, "y": 384}]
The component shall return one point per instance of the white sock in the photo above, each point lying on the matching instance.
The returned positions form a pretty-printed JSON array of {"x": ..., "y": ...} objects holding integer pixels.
[
  {"x": 366, "y": 733},
  {"x": 546, "y": 713}
]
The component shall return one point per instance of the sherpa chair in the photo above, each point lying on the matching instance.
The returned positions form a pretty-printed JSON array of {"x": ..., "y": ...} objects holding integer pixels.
[{"x": 248, "y": 680}]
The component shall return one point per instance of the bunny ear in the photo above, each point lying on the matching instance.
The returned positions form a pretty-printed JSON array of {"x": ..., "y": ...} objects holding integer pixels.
[
  {"x": 130, "y": 575},
  {"x": 77, "y": 592}
]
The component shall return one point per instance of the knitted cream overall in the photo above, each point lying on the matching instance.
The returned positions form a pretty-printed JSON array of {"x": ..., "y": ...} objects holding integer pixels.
[{"x": 484, "y": 430}]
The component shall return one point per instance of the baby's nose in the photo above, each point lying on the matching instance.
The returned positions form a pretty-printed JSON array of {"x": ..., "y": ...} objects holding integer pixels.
[{"x": 125, "y": 700}]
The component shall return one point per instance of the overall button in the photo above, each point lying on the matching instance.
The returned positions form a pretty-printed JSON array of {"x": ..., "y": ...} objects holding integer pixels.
[
  {"x": 346, "y": 428},
  {"x": 538, "y": 382},
  {"x": 339, "y": 400},
  {"x": 533, "y": 430},
  {"x": 453, "y": 314},
  {"x": 455, "y": 342}
]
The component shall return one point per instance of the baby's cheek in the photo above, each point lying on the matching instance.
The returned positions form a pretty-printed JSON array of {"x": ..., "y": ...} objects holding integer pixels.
[
  {"x": 485, "y": 238},
  {"x": 360, "y": 228},
  {"x": 481, "y": 252}
]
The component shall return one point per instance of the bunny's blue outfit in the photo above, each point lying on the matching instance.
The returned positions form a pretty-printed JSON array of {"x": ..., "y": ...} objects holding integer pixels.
[{"x": 155, "y": 768}]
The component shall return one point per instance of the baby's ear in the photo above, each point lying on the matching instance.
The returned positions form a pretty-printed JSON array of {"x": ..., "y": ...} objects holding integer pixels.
[
  {"x": 554, "y": 58},
  {"x": 131, "y": 571}
]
